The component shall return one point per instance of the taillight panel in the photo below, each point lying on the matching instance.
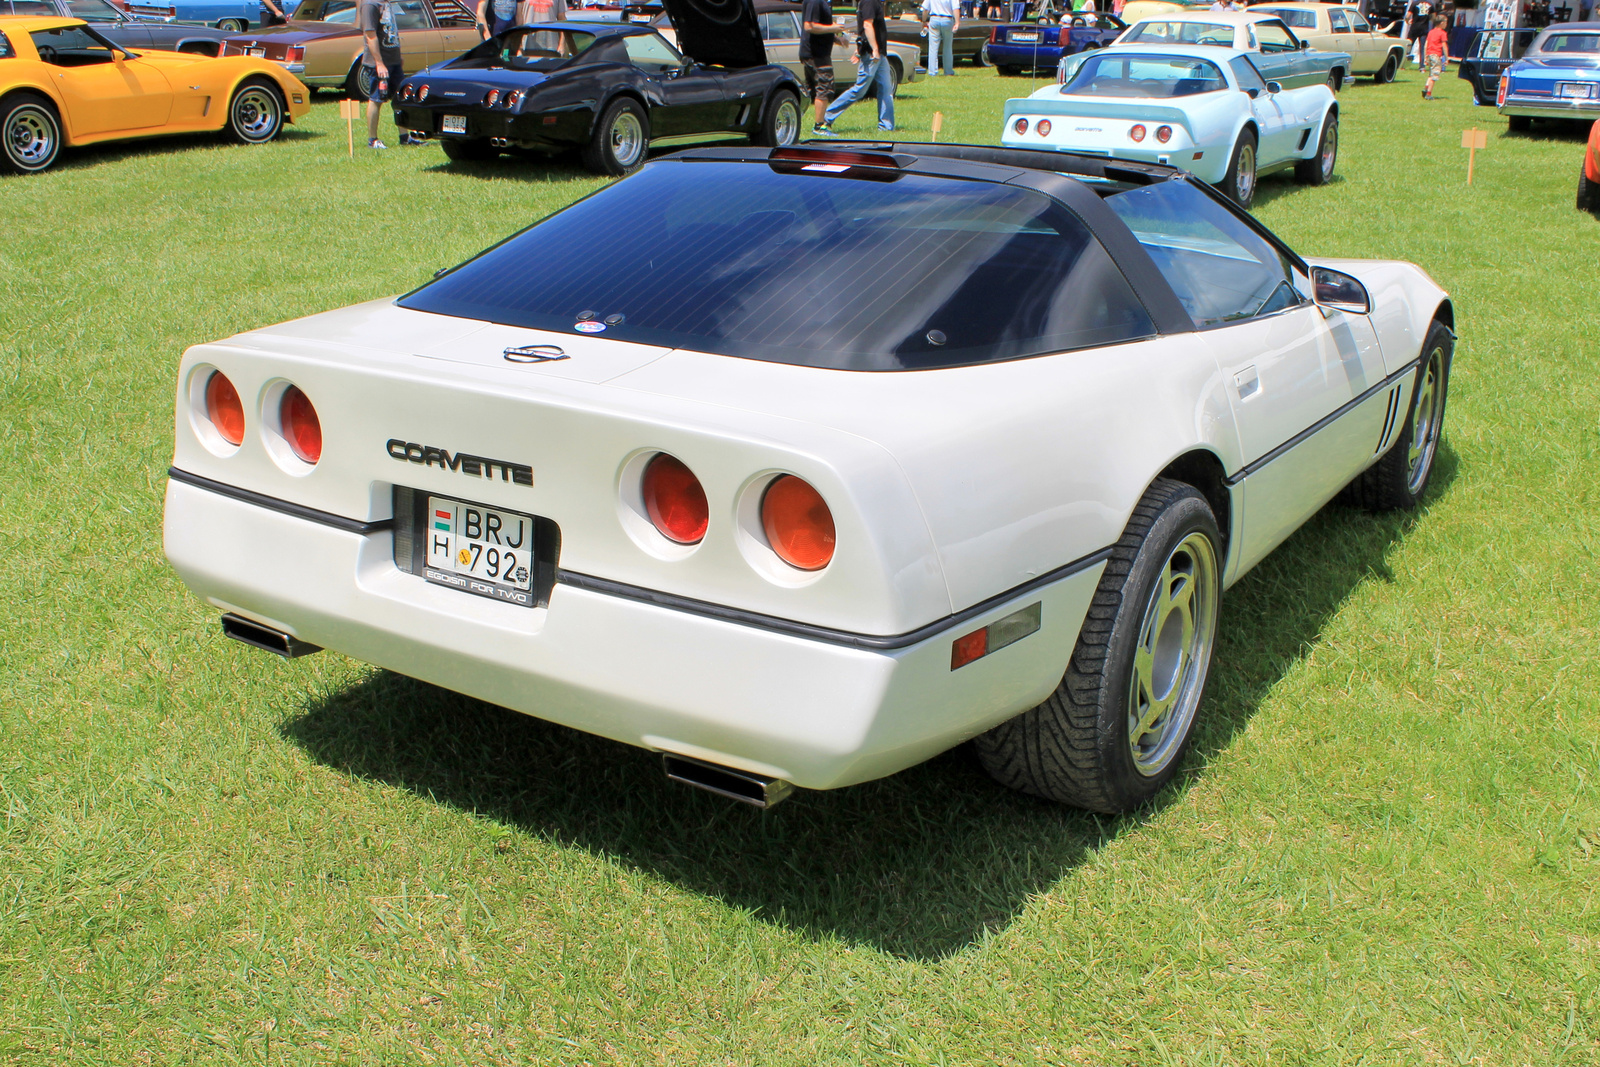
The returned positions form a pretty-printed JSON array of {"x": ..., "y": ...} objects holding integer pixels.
[
  {"x": 674, "y": 500},
  {"x": 300, "y": 426},
  {"x": 798, "y": 523}
]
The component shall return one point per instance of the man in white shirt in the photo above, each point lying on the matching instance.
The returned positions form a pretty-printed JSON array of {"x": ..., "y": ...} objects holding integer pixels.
[
  {"x": 940, "y": 21},
  {"x": 1224, "y": 5}
]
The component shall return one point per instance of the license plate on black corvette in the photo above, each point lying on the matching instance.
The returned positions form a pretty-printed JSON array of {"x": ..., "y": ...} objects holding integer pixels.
[
  {"x": 479, "y": 550},
  {"x": 453, "y": 124}
]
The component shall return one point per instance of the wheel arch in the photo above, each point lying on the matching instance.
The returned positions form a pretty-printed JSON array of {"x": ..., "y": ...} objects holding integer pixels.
[
  {"x": 1202, "y": 469},
  {"x": 628, "y": 91},
  {"x": 208, "y": 46},
  {"x": 1446, "y": 313}
]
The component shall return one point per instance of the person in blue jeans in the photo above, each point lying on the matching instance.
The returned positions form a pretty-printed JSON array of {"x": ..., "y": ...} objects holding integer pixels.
[
  {"x": 874, "y": 69},
  {"x": 941, "y": 19}
]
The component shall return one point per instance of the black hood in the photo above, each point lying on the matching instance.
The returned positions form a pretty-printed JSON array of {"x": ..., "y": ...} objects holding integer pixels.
[{"x": 718, "y": 33}]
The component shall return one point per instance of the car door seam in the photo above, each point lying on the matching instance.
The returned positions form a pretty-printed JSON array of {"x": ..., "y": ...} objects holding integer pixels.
[{"x": 1327, "y": 420}]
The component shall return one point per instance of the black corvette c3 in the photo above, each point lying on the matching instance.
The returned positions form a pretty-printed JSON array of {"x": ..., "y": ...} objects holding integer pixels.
[{"x": 609, "y": 89}]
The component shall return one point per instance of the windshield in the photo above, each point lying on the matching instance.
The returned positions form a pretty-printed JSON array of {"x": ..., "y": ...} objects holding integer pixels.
[
  {"x": 1122, "y": 74},
  {"x": 1160, "y": 32},
  {"x": 745, "y": 259},
  {"x": 1299, "y": 18},
  {"x": 530, "y": 50},
  {"x": 93, "y": 11},
  {"x": 1586, "y": 43}
]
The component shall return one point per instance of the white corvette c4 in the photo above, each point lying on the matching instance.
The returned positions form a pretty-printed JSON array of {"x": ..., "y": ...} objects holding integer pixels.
[{"x": 800, "y": 466}]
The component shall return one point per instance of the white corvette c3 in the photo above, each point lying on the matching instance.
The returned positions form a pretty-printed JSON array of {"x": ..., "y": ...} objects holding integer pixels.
[
  {"x": 1205, "y": 109},
  {"x": 800, "y": 466}
]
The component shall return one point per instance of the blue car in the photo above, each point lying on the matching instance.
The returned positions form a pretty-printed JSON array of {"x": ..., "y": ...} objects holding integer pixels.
[
  {"x": 1022, "y": 46},
  {"x": 235, "y": 16},
  {"x": 1558, "y": 77}
]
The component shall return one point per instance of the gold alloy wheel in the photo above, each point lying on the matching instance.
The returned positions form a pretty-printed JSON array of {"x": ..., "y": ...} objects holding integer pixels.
[{"x": 1173, "y": 654}]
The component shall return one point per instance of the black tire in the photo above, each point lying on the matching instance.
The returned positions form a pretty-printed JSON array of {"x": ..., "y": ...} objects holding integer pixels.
[
  {"x": 255, "y": 113},
  {"x": 780, "y": 122},
  {"x": 1400, "y": 478},
  {"x": 1385, "y": 74},
  {"x": 621, "y": 140},
  {"x": 30, "y": 129},
  {"x": 464, "y": 150},
  {"x": 1519, "y": 123},
  {"x": 359, "y": 83},
  {"x": 1335, "y": 80},
  {"x": 1240, "y": 180},
  {"x": 1588, "y": 193},
  {"x": 980, "y": 58},
  {"x": 1318, "y": 170},
  {"x": 1104, "y": 740}
]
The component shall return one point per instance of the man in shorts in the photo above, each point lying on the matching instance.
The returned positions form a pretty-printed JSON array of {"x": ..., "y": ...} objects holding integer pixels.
[
  {"x": 816, "y": 55},
  {"x": 383, "y": 63}
]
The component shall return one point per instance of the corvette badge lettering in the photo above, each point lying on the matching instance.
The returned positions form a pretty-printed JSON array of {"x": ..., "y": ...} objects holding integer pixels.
[
  {"x": 477, "y": 466},
  {"x": 535, "y": 354}
]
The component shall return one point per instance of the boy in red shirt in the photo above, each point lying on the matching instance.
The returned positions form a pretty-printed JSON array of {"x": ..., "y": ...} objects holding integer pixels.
[{"x": 1434, "y": 52}]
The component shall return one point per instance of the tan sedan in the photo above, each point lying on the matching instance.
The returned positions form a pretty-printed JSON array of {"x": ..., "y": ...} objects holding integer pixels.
[
  {"x": 1342, "y": 28},
  {"x": 322, "y": 45}
]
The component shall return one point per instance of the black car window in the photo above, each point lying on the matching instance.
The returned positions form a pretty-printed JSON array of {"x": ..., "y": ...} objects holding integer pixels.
[
  {"x": 6, "y": 51},
  {"x": 1305, "y": 20},
  {"x": 30, "y": 7},
  {"x": 1567, "y": 43},
  {"x": 1220, "y": 268},
  {"x": 1246, "y": 74},
  {"x": 750, "y": 260},
  {"x": 529, "y": 50},
  {"x": 651, "y": 54},
  {"x": 1133, "y": 74},
  {"x": 70, "y": 46},
  {"x": 87, "y": 10},
  {"x": 1357, "y": 23},
  {"x": 411, "y": 15},
  {"x": 1520, "y": 40}
]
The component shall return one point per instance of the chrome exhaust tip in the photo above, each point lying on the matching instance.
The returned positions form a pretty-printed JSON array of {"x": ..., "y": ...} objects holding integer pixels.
[
  {"x": 499, "y": 142},
  {"x": 266, "y": 638},
  {"x": 743, "y": 786}
]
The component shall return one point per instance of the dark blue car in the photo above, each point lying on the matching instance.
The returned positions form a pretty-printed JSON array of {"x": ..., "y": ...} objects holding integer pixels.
[{"x": 1021, "y": 46}]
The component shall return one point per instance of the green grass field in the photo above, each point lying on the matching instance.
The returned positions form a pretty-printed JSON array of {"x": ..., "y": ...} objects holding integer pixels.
[{"x": 1385, "y": 849}]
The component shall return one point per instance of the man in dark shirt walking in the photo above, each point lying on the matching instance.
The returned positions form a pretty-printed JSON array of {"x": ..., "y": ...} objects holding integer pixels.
[
  {"x": 873, "y": 46},
  {"x": 816, "y": 55}
]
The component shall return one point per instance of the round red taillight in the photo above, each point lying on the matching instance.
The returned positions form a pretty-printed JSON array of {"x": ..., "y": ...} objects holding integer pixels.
[
  {"x": 224, "y": 409},
  {"x": 1043, "y": 129},
  {"x": 492, "y": 99},
  {"x": 301, "y": 427},
  {"x": 1137, "y": 133},
  {"x": 675, "y": 501},
  {"x": 1021, "y": 126},
  {"x": 798, "y": 524},
  {"x": 422, "y": 94},
  {"x": 1163, "y": 134},
  {"x": 409, "y": 92},
  {"x": 513, "y": 98}
]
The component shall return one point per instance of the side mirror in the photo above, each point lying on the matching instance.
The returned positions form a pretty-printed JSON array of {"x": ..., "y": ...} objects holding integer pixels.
[
  {"x": 1274, "y": 87},
  {"x": 1336, "y": 291},
  {"x": 1253, "y": 92}
]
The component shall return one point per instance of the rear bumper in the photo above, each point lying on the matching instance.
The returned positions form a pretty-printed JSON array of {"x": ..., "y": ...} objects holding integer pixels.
[
  {"x": 818, "y": 713},
  {"x": 1003, "y": 54},
  {"x": 567, "y": 128},
  {"x": 1579, "y": 110}
]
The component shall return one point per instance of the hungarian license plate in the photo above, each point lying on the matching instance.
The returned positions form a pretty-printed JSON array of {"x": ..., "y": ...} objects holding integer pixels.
[
  {"x": 453, "y": 124},
  {"x": 259, "y": 53},
  {"x": 479, "y": 550},
  {"x": 1023, "y": 38},
  {"x": 1575, "y": 90}
]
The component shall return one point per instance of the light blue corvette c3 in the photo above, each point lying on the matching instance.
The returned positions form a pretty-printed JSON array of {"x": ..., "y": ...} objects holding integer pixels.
[{"x": 1203, "y": 108}]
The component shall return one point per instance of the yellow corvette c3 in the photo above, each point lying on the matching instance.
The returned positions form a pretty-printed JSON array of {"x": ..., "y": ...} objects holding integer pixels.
[{"x": 61, "y": 83}]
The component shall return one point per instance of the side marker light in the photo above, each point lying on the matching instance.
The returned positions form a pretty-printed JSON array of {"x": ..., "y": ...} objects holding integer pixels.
[{"x": 995, "y": 636}]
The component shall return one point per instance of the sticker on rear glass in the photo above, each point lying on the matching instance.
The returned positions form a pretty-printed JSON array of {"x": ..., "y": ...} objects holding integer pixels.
[{"x": 589, "y": 327}]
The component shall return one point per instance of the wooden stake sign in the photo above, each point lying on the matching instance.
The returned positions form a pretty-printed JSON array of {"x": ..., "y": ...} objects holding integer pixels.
[
  {"x": 938, "y": 123},
  {"x": 347, "y": 111},
  {"x": 1472, "y": 140}
]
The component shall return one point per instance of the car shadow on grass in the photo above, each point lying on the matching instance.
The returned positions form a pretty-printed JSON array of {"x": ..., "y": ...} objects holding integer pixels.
[{"x": 919, "y": 865}]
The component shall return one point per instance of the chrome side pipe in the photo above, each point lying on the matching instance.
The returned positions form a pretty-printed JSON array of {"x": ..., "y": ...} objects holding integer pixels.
[
  {"x": 743, "y": 786},
  {"x": 257, "y": 635}
]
